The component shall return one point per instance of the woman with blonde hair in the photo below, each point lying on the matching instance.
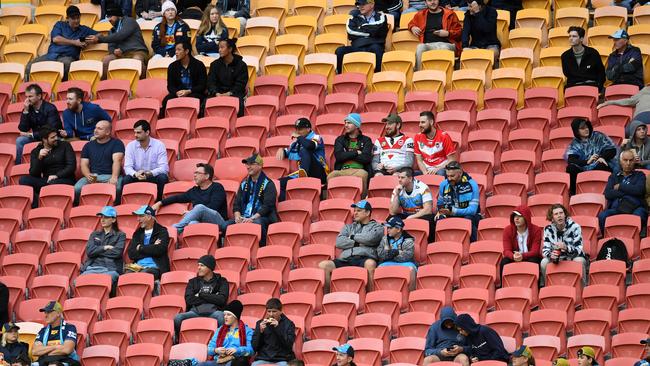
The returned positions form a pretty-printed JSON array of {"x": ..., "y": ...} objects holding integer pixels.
[
  {"x": 11, "y": 349},
  {"x": 210, "y": 32}
]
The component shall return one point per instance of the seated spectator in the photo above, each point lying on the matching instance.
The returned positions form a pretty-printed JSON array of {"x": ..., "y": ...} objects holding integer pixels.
[
  {"x": 437, "y": 28},
  {"x": 51, "y": 162},
  {"x": 105, "y": 247},
  {"x": 433, "y": 147},
  {"x": 101, "y": 160},
  {"x": 185, "y": 77},
  {"x": 625, "y": 192},
  {"x": 394, "y": 150},
  {"x": 148, "y": 247},
  {"x": 581, "y": 64},
  {"x": 239, "y": 9},
  {"x": 589, "y": 150},
  {"x": 67, "y": 39},
  {"x": 587, "y": 357},
  {"x": 145, "y": 159},
  {"x": 397, "y": 248},
  {"x": 459, "y": 197},
  {"x": 57, "y": 340},
  {"x": 638, "y": 143},
  {"x": 206, "y": 295},
  {"x": 522, "y": 356},
  {"x": 344, "y": 355},
  {"x": 443, "y": 342},
  {"x": 308, "y": 150},
  {"x": 353, "y": 152},
  {"x": 645, "y": 361},
  {"x": 480, "y": 28},
  {"x": 255, "y": 198},
  {"x": 274, "y": 337},
  {"x": 169, "y": 32},
  {"x": 211, "y": 31},
  {"x": 412, "y": 199},
  {"x": 124, "y": 39},
  {"x": 208, "y": 200},
  {"x": 148, "y": 10},
  {"x": 367, "y": 30},
  {"x": 80, "y": 118},
  {"x": 11, "y": 349},
  {"x": 192, "y": 10},
  {"x": 358, "y": 242},
  {"x": 392, "y": 7},
  {"x": 562, "y": 241},
  {"x": 483, "y": 342},
  {"x": 36, "y": 114},
  {"x": 624, "y": 64},
  {"x": 232, "y": 343},
  {"x": 522, "y": 240},
  {"x": 639, "y": 101},
  {"x": 228, "y": 75}
]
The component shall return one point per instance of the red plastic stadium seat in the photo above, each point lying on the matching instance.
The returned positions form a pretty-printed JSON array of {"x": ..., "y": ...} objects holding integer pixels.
[
  {"x": 614, "y": 115},
  {"x": 52, "y": 287},
  {"x": 407, "y": 350},
  {"x": 32, "y": 241},
  {"x": 198, "y": 330},
  {"x": 158, "y": 331},
  {"x": 414, "y": 323},
  {"x": 246, "y": 235},
  {"x": 436, "y": 276},
  {"x": 427, "y": 300},
  {"x": 514, "y": 298},
  {"x": 97, "y": 194},
  {"x": 620, "y": 91},
  {"x": 144, "y": 108},
  {"x": 367, "y": 351},
  {"x": 97, "y": 286},
  {"x": 101, "y": 355},
  {"x": 266, "y": 281},
  {"x": 136, "y": 284},
  {"x": 305, "y": 188},
  {"x": 254, "y": 304},
  {"x": 319, "y": 352},
  {"x": 344, "y": 303},
  {"x": 166, "y": 306},
  {"x": 507, "y": 323},
  {"x": 607, "y": 272},
  {"x": 234, "y": 259},
  {"x": 543, "y": 346},
  {"x": 472, "y": 301},
  {"x": 627, "y": 345},
  {"x": 329, "y": 326},
  {"x": 185, "y": 108},
  {"x": 82, "y": 309},
  {"x": 127, "y": 308},
  {"x": 550, "y": 322},
  {"x": 189, "y": 350},
  {"x": 561, "y": 298},
  {"x": 144, "y": 354},
  {"x": 46, "y": 218}
]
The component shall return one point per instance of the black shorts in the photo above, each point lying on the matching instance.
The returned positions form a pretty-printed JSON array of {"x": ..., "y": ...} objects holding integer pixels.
[{"x": 355, "y": 261}]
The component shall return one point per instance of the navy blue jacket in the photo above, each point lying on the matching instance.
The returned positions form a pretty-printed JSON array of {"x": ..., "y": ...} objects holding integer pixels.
[
  {"x": 439, "y": 337},
  {"x": 626, "y": 68},
  {"x": 35, "y": 119},
  {"x": 82, "y": 125},
  {"x": 483, "y": 342},
  {"x": 214, "y": 197},
  {"x": 630, "y": 188},
  {"x": 362, "y": 32}
]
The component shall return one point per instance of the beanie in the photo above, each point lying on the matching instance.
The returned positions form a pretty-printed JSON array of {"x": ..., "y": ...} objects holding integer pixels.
[
  {"x": 208, "y": 261},
  {"x": 167, "y": 5},
  {"x": 235, "y": 308},
  {"x": 354, "y": 118}
]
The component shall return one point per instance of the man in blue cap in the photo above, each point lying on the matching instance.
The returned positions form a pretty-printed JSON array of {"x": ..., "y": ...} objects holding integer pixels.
[
  {"x": 57, "y": 340},
  {"x": 148, "y": 247},
  {"x": 646, "y": 360},
  {"x": 344, "y": 355},
  {"x": 358, "y": 242},
  {"x": 353, "y": 152},
  {"x": 397, "y": 247},
  {"x": 105, "y": 247},
  {"x": 625, "y": 63}
]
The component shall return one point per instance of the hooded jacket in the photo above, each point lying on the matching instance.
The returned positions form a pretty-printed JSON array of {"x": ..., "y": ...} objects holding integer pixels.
[
  {"x": 534, "y": 242},
  {"x": 406, "y": 249},
  {"x": 205, "y": 297},
  {"x": 360, "y": 240},
  {"x": 642, "y": 150},
  {"x": 363, "y": 32},
  {"x": 450, "y": 23},
  {"x": 82, "y": 124},
  {"x": 231, "y": 77},
  {"x": 275, "y": 344},
  {"x": 579, "y": 151},
  {"x": 626, "y": 68},
  {"x": 480, "y": 28},
  {"x": 571, "y": 236},
  {"x": 156, "y": 251},
  {"x": 483, "y": 342},
  {"x": 439, "y": 337}
]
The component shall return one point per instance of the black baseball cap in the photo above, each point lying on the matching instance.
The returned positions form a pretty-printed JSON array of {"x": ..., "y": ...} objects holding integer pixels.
[{"x": 303, "y": 123}]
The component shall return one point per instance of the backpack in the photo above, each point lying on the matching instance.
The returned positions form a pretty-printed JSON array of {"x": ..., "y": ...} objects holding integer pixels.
[{"x": 613, "y": 249}]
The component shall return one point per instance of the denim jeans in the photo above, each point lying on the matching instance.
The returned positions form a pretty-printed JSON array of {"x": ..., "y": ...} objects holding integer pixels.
[
  {"x": 101, "y": 178},
  {"x": 21, "y": 141},
  {"x": 263, "y": 222},
  {"x": 640, "y": 211},
  {"x": 201, "y": 213},
  {"x": 38, "y": 183},
  {"x": 102, "y": 270},
  {"x": 179, "y": 318}
]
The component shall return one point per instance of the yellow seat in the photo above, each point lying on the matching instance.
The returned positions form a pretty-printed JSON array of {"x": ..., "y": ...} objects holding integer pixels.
[
  {"x": 390, "y": 81},
  {"x": 313, "y": 8},
  {"x": 558, "y": 37},
  {"x": 12, "y": 73},
  {"x": 460, "y": 15},
  {"x": 277, "y": 9},
  {"x": 343, "y": 6},
  {"x": 604, "y": 54},
  {"x": 400, "y": 61},
  {"x": 321, "y": 64},
  {"x": 641, "y": 15},
  {"x": 550, "y": 77},
  {"x": 20, "y": 52},
  {"x": 28, "y": 333},
  {"x": 253, "y": 66},
  {"x": 102, "y": 27},
  {"x": 404, "y": 40},
  {"x": 282, "y": 65},
  {"x": 510, "y": 78},
  {"x": 329, "y": 42},
  {"x": 90, "y": 13},
  {"x": 206, "y": 60},
  {"x": 639, "y": 34},
  {"x": 263, "y": 26},
  {"x": 94, "y": 52},
  {"x": 566, "y": 17},
  {"x": 48, "y": 15},
  {"x": 54, "y": 2},
  {"x": 292, "y": 44},
  {"x": 147, "y": 31},
  {"x": 125, "y": 69},
  {"x": 503, "y": 27},
  {"x": 645, "y": 53},
  {"x": 536, "y": 19},
  {"x": 48, "y": 71},
  {"x": 405, "y": 19},
  {"x": 599, "y": 36},
  {"x": 157, "y": 67},
  {"x": 611, "y": 15},
  {"x": 35, "y": 34},
  {"x": 469, "y": 79},
  {"x": 537, "y": 4},
  {"x": 551, "y": 56},
  {"x": 15, "y": 16},
  {"x": 442, "y": 60},
  {"x": 431, "y": 81},
  {"x": 305, "y": 25},
  {"x": 233, "y": 26},
  {"x": 561, "y": 4},
  {"x": 90, "y": 71},
  {"x": 336, "y": 23},
  {"x": 478, "y": 59},
  {"x": 520, "y": 58},
  {"x": 5, "y": 36},
  {"x": 527, "y": 38},
  {"x": 361, "y": 62},
  {"x": 256, "y": 46}
]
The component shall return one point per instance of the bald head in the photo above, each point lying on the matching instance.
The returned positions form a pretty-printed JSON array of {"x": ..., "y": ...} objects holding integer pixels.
[{"x": 103, "y": 131}]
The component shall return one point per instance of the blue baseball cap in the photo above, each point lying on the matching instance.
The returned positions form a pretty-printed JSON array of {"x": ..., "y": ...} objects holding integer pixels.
[
  {"x": 108, "y": 211},
  {"x": 621, "y": 33},
  {"x": 145, "y": 210},
  {"x": 363, "y": 204},
  {"x": 345, "y": 349},
  {"x": 394, "y": 221}
]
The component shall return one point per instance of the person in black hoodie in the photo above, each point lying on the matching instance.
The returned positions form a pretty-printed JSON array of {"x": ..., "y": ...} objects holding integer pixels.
[
  {"x": 185, "y": 76},
  {"x": 484, "y": 343},
  {"x": 206, "y": 295},
  {"x": 274, "y": 336},
  {"x": 51, "y": 162},
  {"x": 228, "y": 74},
  {"x": 148, "y": 247},
  {"x": 480, "y": 28},
  {"x": 582, "y": 64}
]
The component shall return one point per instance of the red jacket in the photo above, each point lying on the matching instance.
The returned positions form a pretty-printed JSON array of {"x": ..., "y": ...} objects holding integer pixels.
[
  {"x": 510, "y": 243},
  {"x": 450, "y": 23}
]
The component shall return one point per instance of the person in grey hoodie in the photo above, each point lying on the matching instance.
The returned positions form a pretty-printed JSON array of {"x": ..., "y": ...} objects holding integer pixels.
[
  {"x": 637, "y": 140},
  {"x": 483, "y": 342},
  {"x": 358, "y": 242},
  {"x": 639, "y": 101},
  {"x": 105, "y": 247},
  {"x": 443, "y": 342}
]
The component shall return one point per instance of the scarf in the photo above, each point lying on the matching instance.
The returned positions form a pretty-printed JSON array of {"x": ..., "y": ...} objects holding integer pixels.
[
  {"x": 224, "y": 330},
  {"x": 252, "y": 191}
]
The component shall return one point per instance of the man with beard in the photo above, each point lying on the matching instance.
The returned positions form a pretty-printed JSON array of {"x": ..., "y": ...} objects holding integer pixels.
[
  {"x": 36, "y": 114},
  {"x": 433, "y": 148},
  {"x": 145, "y": 159},
  {"x": 80, "y": 118},
  {"x": 394, "y": 150},
  {"x": 458, "y": 196},
  {"x": 412, "y": 199}
]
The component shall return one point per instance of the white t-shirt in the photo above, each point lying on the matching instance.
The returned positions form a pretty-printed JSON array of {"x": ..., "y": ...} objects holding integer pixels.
[
  {"x": 414, "y": 201},
  {"x": 394, "y": 152}
]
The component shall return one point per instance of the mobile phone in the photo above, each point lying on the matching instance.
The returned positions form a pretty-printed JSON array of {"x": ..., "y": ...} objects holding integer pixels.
[{"x": 82, "y": 39}]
